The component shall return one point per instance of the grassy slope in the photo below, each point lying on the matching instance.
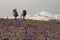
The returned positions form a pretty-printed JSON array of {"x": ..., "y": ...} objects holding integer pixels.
[
  {"x": 48, "y": 24},
  {"x": 39, "y": 23}
]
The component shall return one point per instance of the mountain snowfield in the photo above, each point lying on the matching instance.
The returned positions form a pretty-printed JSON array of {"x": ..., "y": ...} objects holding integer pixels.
[{"x": 43, "y": 15}]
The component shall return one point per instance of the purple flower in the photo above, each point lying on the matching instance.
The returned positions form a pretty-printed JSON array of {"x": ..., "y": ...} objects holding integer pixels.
[
  {"x": 46, "y": 39},
  {"x": 6, "y": 39}
]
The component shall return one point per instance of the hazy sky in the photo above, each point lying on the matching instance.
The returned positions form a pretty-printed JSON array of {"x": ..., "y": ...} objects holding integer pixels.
[{"x": 32, "y": 6}]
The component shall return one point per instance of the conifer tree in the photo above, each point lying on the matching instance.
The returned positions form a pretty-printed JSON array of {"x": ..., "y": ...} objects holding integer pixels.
[
  {"x": 15, "y": 14},
  {"x": 24, "y": 14}
]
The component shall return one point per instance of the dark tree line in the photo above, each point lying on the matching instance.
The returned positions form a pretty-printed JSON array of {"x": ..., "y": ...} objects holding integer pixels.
[{"x": 23, "y": 15}]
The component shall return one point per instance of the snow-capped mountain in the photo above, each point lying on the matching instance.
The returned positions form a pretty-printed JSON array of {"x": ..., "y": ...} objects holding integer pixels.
[{"x": 43, "y": 15}]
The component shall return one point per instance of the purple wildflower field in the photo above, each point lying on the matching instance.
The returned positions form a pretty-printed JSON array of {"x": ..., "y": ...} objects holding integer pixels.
[{"x": 17, "y": 30}]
